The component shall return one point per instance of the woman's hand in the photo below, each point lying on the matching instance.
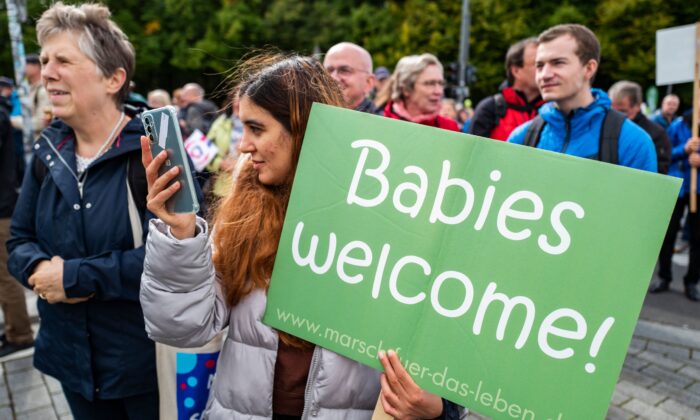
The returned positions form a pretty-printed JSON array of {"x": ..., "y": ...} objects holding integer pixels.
[
  {"x": 183, "y": 225},
  {"x": 47, "y": 282},
  {"x": 401, "y": 397}
]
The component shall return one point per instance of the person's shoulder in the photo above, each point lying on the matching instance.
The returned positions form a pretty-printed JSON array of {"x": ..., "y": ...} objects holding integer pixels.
[
  {"x": 636, "y": 148},
  {"x": 676, "y": 123},
  {"x": 676, "y": 127},
  {"x": 654, "y": 129},
  {"x": 517, "y": 136},
  {"x": 631, "y": 131},
  {"x": 209, "y": 105},
  {"x": 484, "y": 118},
  {"x": 448, "y": 123},
  {"x": 488, "y": 103}
]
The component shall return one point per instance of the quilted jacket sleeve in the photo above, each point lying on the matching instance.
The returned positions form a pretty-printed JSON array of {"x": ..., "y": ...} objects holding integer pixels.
[{"x": 182, "y": 301}]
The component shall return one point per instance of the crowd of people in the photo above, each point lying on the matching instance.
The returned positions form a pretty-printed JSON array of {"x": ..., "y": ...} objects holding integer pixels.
[{"x": 115, "y": 271}]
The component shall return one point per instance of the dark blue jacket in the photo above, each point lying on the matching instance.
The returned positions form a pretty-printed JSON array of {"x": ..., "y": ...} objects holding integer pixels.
[
  {"x": 578, "y": 134},
  {"x": 98, "y": 348},
  {"x": 679, "y": 133}
]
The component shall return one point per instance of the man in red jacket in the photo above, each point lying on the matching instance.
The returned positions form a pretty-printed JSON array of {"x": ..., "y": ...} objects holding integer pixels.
[{"x": 497, "y": 115}]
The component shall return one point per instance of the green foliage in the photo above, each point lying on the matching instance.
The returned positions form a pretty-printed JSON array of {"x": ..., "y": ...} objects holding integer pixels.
[{"x": 182, "y": 40}]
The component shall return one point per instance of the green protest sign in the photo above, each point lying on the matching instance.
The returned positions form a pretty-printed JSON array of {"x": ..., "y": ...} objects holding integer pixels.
[{"x": 508, "y": 279}]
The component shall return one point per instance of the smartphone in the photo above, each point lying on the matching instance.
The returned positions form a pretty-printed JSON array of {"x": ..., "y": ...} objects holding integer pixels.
[{"x": 163, "y": 132}]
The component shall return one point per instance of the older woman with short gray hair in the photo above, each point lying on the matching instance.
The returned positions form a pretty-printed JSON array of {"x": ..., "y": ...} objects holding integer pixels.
[
  {"x": 76, "y": 237},
  {"x": 417, "y": 89}
]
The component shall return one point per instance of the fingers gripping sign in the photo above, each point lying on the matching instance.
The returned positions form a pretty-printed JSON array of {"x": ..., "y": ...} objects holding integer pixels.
[
  {"x": 160, "y": 189},
  {"x": 692, "y": 145},
  {"x": 400, "y": 396}
]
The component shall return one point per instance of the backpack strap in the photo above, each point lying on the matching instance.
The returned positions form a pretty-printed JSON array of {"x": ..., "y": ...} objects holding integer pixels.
[
  {"x": 609, "y": 137},
  {"x": 534, "y": 131},
  {"x": 137, "y": 190},
  {"x": 136, "y": 175},
  {"x": 134, "y": 215},
  {"x": 499, "y": 106}
]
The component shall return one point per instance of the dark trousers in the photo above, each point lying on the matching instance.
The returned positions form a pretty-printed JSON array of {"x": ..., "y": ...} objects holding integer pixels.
[
  {"x": 138, "y": 407},
  {"x": 666, "y": 253}
]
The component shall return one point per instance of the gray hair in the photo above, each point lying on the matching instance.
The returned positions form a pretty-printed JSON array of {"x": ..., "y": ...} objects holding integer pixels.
[
  {"x": 626, "y": 89},
  {"x": 161, "y": 95},
  {"x": 407, "y": 71},
  {"x": 99, "y": 38}
]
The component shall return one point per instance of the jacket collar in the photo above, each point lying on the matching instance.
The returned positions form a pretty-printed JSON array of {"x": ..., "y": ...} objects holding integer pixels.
[
  {"x": 518, "y": 99},
  {"x": 580, "y": 118},
  {"x": 60, "y": 135},
  {"x": 366, "y": 106}
]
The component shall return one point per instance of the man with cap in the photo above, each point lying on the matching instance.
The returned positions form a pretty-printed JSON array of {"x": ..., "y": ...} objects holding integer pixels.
[
  {"x": 351, "y": 66},
  {"x": 381, "y": 77}
]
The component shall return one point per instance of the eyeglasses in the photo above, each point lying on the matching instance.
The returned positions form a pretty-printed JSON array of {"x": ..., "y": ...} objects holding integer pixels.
[
  {"x": 344, "y": 71},
  {"x": 433, "y": 83}
]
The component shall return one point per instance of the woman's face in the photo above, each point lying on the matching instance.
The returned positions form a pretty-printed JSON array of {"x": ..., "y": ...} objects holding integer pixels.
[
  {"x": 267, "y": 141},
  {"x": 426, "y": 97},
  {"x": 75, "y": 85}
]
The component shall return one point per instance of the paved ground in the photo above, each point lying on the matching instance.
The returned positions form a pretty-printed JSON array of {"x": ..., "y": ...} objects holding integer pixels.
[
  {"x": 660, "y": 378},
  {"x": 26, "y": 393},
  {"x": 673, "y": 308}
]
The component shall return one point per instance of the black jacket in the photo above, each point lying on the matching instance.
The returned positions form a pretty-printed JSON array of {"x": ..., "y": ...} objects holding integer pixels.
[
  {"x": 8, "y": 174},
  {"x": 367, "y": 106},
  {"x": 660, "y": 138}
]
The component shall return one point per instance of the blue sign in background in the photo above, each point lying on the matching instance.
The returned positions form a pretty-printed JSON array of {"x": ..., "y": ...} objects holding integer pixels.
[{"x": 194, "y": 373}]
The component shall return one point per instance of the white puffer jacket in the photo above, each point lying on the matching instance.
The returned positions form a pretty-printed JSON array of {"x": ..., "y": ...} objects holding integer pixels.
[{"x": 184, "y": 306}]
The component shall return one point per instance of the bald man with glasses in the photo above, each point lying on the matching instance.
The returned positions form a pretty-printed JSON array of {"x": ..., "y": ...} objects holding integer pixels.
[{"x": 351, "y": 66}]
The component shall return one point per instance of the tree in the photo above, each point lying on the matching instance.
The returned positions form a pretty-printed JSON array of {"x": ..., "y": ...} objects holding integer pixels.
[{"x": 198, "y": 40}]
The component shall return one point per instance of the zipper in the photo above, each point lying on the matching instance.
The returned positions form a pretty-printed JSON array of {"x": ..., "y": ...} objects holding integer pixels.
[
  {"x": 568, "y": 132},
  {"x": 79, "y": 179},
  {"x": 60, "y": 157},
  {"x": 313, "y": 371}
]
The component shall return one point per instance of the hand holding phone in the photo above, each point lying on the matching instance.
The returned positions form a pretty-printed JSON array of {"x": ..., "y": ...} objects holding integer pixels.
[
  {"x": 171, "y": 192},
  {"x": 163, "y": 132}
]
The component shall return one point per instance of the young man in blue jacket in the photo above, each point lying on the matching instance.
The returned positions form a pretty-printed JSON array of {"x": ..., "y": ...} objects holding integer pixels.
[{"x": 566, "y": 62}]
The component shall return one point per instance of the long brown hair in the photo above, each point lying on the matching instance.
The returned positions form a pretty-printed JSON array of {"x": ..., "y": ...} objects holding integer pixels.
[{"x": 248, "y": 222}]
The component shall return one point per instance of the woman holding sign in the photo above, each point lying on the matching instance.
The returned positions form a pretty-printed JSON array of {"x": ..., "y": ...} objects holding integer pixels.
[{"x": 194, "y": 286}]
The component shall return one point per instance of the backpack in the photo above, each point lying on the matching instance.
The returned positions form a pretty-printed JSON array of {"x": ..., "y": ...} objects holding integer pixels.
[
  {"x": 501, "y": 108},
  {"x": 609, "y": 135}
]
